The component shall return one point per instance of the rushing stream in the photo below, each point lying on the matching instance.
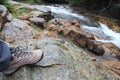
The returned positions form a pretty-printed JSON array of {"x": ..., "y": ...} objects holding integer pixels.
[
  {"x": 64, "y": 11},
  {"x": 93, "y": 27}
]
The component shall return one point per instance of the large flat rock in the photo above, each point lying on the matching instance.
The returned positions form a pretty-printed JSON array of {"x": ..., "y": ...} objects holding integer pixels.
[{"x": 61, "y": 61}]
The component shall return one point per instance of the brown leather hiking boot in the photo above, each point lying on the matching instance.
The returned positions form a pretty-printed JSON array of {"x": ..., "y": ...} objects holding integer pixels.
[{"x": 22, "y": 57}]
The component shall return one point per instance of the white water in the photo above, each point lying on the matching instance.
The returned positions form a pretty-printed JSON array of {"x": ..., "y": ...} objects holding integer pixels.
[
  {"x": 102, "y": 30},
  {"x": 65, "y": 11},
  {"x": 105, "y": 32},
  {"x": 115, "y": 37}
]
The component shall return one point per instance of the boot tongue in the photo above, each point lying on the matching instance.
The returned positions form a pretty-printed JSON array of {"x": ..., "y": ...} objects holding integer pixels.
[
  {"x": 0, "y": 48},
  {"x": 12, "y": 50}
]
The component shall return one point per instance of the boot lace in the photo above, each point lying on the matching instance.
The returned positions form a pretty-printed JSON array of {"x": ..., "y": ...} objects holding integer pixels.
[{"x": 21, "y": 51}]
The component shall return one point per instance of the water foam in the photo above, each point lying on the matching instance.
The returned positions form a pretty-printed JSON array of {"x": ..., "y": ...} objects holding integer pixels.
[
  {"x": 65, "y": 10},
  {"x": 115, "y": 37},
  {"x": 102, "y": 30}
]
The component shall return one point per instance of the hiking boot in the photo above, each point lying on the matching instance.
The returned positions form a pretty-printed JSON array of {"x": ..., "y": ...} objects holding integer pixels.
[
  {"x": 22, "y": 57},
  {"x": 18, "y": 48}
]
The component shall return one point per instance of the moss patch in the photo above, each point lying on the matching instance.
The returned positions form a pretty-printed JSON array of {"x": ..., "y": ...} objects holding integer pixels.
[
  {"x": 6, "y": 4},
  {"x": 21, "y": 11},
  {"x": 26, "y": 1}
]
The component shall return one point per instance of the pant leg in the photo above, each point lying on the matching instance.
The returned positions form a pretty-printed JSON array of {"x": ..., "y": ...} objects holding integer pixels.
[
  {"x": 5, "y": 55},
  {"x": 12, "y": 49}
]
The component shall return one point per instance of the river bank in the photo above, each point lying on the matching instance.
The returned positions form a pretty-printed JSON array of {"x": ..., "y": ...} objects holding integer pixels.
[
  {"x": 110, "y": 17},
  {"x": 113, "y": 23},
  {"x": 106, "y": 8}
]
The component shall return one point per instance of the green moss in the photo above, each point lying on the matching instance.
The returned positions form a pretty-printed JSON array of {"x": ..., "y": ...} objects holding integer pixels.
[
  {"x": 21, "y": 11},
  {"x": 10, "y": 7},
  {"x": 3, "y": 2},
  {"x": 27, "y": 1},
  {"x": 6, "y": 4}
]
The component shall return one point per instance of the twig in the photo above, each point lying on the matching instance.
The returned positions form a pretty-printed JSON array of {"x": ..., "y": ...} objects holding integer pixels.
[{"x": 110, "y": 1}]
